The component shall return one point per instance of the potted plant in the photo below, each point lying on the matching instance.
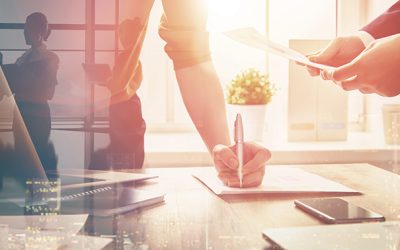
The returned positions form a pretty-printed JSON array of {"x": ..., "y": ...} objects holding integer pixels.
[{"x": 248, "y": 94}]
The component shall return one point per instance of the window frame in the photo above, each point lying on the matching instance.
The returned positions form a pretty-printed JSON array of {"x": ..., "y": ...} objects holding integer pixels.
[
  {"x": 356, "y": 17},
  {"x": 170, "y": 124}
]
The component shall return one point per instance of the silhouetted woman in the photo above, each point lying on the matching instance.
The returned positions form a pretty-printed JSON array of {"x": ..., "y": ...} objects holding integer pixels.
[{"x": 33, "y": 87}]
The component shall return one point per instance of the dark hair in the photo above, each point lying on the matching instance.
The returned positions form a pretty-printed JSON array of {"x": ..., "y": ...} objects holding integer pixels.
[{"x": 39, "y": 23}]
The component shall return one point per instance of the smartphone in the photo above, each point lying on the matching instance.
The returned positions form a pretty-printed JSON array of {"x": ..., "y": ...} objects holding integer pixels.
[{"x": 337, "y": 211}]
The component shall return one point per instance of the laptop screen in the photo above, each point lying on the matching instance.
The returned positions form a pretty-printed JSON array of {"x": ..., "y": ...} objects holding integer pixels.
[{"x": 29, "y": 159}]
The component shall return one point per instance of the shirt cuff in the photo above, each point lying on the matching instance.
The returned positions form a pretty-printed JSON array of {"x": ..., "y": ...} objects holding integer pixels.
[{"x": 365, "y": 37}]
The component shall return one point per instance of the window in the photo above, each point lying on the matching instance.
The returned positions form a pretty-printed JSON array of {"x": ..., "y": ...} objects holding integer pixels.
[
  {"x": 230, "y": 14},
  {"x": 162, "y": 105}
]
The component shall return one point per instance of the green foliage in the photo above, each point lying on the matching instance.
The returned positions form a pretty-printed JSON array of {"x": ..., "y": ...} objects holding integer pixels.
[{"x": 250, "y": 87}]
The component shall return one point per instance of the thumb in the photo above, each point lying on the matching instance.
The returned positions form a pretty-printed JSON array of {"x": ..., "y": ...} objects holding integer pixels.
[
  {"x": 326, "y": 54},
  {"x": 345, "y": 72}
]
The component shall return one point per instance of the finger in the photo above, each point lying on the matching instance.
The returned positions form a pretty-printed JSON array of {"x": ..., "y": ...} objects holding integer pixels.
[
  {"x": 251, "y": 180},
  {"x": 327, "y": 54},
  {"x": 224, "y": 156},
  {"x": 254, "y": 179},
  {"x": 220, "y": 166},
  {"x": 366, "y": 90},
  {"x": 325, "y": 74},
  {"x": 230, "y": 179},
  {"x": 345, "y": 72},
  {"x": 352, "y": 84},
  {"x": 226, "y": 178},
  {"x": 313, "y": 71},
  {"x": 259, "y": 161},
  {"x": 233, "y": 182},
  {"x": 316, "y": 53}
]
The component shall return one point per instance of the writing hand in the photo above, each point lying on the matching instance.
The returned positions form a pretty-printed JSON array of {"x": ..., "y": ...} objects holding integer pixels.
[{"x": 226, "y": 163}]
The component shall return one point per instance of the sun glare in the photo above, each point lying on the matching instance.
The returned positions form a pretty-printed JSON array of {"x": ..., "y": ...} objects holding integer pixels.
[{"x": 223, "y": 14}]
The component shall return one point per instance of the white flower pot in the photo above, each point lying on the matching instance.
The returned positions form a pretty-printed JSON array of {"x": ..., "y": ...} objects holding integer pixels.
[{"x": 253, "y": 117}]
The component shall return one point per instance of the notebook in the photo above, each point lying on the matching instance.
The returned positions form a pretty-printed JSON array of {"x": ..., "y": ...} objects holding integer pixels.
[
  {"x": 380, "y": 235},
  {"x": 276, "y": 180},
  {"x": 77, "y": 178},
  {"x": 107, "y": 201}
]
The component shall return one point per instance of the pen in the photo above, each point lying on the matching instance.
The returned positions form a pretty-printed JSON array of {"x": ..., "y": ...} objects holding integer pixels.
[{"x": 239, "y": 146}]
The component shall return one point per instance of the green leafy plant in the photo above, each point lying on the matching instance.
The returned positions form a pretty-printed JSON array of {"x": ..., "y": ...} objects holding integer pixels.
[{"x": 250, "y": 87}]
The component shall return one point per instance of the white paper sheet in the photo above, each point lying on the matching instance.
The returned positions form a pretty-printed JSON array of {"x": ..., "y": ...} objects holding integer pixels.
[
  {"x": 276, "y": 180},
  {"x": 252, "y": 38}
]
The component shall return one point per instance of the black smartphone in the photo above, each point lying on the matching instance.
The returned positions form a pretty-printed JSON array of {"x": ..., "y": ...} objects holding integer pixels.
[{"x": 337, "y": 211}]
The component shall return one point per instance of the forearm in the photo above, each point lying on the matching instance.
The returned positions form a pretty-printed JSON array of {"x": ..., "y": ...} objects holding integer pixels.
[
  {"x": 204, "y": 101},
  {"x": 183, "y": 27}
]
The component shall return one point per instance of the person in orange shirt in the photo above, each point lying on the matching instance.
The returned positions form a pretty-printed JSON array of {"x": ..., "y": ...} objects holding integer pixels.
[{"x": 183, "y": 28}]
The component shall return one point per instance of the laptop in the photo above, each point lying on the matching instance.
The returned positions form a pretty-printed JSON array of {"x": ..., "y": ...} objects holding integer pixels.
[
  {"x": 28, "y": 189},
  {"x": 379, "y": 235},
  {"x": 42, "y": 197},
  {"x": 98, "y": 193}
]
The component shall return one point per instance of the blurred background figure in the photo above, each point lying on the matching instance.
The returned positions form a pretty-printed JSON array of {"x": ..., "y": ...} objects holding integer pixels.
[
  {"x": 32, "y": 80},
  {"x": 127, "y": 126}
]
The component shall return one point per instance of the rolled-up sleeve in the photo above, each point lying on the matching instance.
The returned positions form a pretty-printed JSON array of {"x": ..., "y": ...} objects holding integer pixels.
[
  {"x": 386, "y": 24},
  {"x": 184, "y": 28}
]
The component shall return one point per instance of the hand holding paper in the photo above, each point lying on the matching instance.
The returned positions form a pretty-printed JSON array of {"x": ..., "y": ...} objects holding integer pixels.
[
  {"x": 340, "y": 51},
  {"x": 374, "y": 70},
  {"x": 252, "y": 38}
]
